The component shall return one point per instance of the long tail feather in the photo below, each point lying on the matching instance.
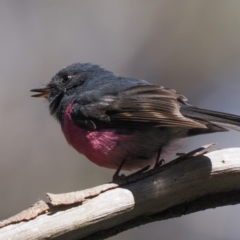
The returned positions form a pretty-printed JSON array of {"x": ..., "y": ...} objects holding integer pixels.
[{"x": 225, "y": 120}]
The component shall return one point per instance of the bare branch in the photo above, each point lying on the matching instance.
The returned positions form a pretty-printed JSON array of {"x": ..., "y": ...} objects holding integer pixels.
[{"x": 195, "y": 184}]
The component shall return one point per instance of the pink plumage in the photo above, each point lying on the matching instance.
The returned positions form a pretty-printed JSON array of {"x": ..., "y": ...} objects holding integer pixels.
[{"x": 102, "y": 147}]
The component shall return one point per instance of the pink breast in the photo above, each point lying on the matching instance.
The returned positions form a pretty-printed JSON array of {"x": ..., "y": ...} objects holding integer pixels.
[{"x": 101, "y": 147}]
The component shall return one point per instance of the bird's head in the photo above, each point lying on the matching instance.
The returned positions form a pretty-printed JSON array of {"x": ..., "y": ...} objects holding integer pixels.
[{"x": 67, "y": 83}]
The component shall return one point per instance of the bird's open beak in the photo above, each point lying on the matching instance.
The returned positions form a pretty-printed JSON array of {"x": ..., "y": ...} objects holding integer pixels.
[{"x": 41, "y": 92}]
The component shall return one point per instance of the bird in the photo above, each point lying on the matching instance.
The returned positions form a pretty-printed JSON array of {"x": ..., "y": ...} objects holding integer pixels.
[{"x": 124, "y": 123}]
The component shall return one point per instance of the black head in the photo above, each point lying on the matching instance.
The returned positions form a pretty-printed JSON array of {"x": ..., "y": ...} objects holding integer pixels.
[{"x": 65, "y": 84}]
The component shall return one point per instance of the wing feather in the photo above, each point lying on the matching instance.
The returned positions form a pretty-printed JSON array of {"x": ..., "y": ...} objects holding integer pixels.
[{"x": 144, "y": 104}]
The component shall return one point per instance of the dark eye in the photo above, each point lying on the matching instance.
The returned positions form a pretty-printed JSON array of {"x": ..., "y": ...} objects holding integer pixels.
[{"x": 66, "y": 78}]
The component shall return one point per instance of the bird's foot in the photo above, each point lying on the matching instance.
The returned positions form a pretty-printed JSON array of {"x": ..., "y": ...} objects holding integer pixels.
[
  {"x": 118, "y": 178},
  {"x": 159, "y": 163},
  {"x": 122, "y": 177}
]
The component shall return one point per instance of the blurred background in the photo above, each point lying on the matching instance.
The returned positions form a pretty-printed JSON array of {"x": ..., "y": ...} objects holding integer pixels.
[{"x": 193, "y": 46}]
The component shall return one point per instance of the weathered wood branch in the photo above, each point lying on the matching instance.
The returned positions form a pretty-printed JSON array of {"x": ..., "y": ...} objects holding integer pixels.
[{"x": 198, "y": 183}]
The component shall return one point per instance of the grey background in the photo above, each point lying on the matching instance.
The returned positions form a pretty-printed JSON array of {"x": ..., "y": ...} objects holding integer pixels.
[{"x": 193, "y": 46}]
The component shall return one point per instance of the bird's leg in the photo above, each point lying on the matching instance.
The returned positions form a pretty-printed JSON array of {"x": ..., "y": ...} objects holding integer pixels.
[
  {"x": 116, "y": 175},
  {"x": 159, "y": 162}
]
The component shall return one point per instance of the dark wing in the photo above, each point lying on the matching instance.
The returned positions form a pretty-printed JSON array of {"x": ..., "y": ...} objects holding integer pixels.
[{"x": 136, "y": 106}]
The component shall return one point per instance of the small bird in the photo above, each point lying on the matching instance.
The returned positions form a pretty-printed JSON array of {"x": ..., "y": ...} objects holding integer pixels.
[{"x": 124, "y": 123}]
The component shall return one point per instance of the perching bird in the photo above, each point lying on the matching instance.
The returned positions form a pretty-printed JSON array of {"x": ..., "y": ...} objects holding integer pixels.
[{"x": 117, "y": 121}]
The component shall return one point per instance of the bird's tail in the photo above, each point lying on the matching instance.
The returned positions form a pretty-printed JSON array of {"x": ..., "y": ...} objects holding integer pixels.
[{"x": 223, "y": 120}]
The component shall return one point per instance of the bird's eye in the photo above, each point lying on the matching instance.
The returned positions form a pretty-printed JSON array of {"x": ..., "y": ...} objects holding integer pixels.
[{"x": 65, "y": 78}]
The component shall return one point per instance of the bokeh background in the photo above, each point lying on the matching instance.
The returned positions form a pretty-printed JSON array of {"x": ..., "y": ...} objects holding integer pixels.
[{"x": 193, "y": 46}]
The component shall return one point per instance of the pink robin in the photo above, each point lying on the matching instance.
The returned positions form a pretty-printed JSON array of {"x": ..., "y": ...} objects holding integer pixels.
[{"x": 124, "y": 123}]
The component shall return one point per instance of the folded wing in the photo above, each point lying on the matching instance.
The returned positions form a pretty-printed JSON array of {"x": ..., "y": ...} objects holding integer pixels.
[{"x": 136, "y": 107}]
